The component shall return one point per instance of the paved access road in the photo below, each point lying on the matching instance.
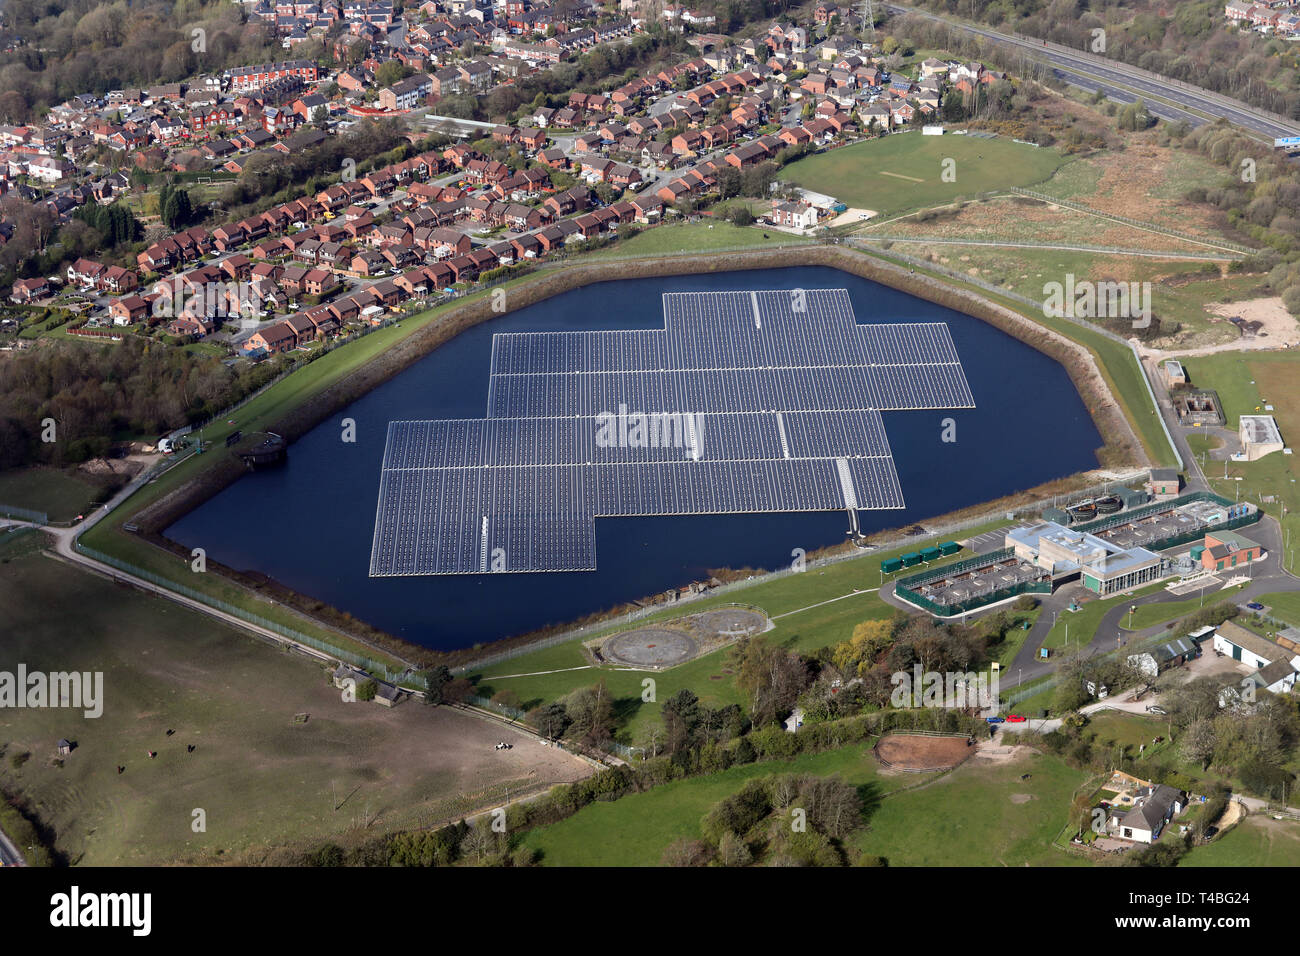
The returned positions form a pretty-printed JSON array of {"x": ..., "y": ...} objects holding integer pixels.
[{"x": 1123, "y": 83}]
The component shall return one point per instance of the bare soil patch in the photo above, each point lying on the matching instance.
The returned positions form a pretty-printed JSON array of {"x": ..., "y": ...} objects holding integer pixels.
[{"x": 918, "y": 754}]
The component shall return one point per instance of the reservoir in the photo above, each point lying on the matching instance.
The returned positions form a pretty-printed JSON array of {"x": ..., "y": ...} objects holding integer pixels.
[{"x": 309, "y": 524}]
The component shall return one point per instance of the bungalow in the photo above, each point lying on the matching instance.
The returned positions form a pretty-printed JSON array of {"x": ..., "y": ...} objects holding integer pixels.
[{"x": 1152, "y": 808}]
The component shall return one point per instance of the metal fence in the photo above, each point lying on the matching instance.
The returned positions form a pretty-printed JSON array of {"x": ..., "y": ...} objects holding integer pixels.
[
  {"x": 974, "y": 603},
  {"x": 370, "y": 666},
  {"x": 1137, "y": 223},
  {"x": 24, "y": 514},
  {"x": 935, "y": 574},
  {"x": 1037, "y": 306}
]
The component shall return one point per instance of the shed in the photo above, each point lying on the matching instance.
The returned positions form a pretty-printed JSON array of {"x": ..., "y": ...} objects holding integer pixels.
[
  {"x": 930, "y": 554},
  {"x": 911, "y": 558},
  {"x": 890, "y": 565},
  {"x": 949, "y": 547},
  {"x": 65, "y": 747},
  {"x": 1132, "y": 497}
]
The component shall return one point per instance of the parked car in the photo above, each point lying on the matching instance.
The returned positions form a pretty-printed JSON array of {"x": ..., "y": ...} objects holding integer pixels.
[
  {"x": 994, "y": 720},
  {"x": 1015, "y": 719},
  {"x": 1255, "y": 606},
  {"x": 1159, "y": 711}
]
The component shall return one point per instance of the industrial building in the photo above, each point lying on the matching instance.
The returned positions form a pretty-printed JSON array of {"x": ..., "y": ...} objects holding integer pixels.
[
  {"x": 1175, "y": 374},
  {"x": 1164, "y": 483},
  {"x": 1225, "y": 550},
  {"x": 1103, "y": 567},
  {"x": 1259, "y": 436}
]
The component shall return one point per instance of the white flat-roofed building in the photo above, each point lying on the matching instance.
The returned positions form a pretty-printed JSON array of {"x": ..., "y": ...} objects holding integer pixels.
[
  {"x": 1259, "y": 436},
  {"x": 1103, "y": 567}
]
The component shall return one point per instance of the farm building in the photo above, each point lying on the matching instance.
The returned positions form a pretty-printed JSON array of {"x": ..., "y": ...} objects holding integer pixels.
[{"x": 1270, "y": 667}]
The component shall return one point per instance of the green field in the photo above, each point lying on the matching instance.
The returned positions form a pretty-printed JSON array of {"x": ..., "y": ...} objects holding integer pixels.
[
  {"x": 978, "y": 815},
  {"x": 902, "y": 171},
  {"x": 636, "y": 829},
  {"x": 1258, "y": 840},
  {"x": 263, "y": 781},
  {"x": 1285, "y": 606},
  {"x": 810, "y": 610},
  {"x": 1248, "y": 382},
  {"x": 59, "y": 494}
]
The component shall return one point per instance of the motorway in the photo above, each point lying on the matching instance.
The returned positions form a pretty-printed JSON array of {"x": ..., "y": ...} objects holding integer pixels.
[{"x": 1166, "y": 98}]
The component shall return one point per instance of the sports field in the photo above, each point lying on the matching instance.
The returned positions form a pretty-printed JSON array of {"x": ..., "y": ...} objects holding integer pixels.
[{"x": 905, "y": 170}]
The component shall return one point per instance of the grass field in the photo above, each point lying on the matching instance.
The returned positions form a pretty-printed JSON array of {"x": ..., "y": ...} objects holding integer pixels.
[
  {"x": 978, "y": 815},
  {"x": 810, "y": 610},
  {"x": 903, "y": 171},
  {"x": 1248, "y": 382},
  {"x": 60, "y": 495},
  {"x": 635, "y": 830},
  {"x": 1285, "y": 606},
  {"x": 1258, "y": 840},
  {"x": 263, "y": 781}
]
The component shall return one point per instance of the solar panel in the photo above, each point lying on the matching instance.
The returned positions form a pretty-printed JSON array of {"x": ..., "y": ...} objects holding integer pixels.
[{"x": 745, "y": 402}]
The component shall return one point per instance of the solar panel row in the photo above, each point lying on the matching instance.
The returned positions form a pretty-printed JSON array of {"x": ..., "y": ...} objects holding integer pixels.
[
  {"x": 744, "y": 402},
  {"x": 431, "y": 521}
]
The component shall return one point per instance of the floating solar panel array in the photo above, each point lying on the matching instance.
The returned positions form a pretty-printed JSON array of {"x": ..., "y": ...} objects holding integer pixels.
[{"x": 744, "y": 402}]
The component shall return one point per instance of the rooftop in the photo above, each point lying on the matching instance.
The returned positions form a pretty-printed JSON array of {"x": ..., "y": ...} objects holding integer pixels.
[{"x": 1260, "y": 430}]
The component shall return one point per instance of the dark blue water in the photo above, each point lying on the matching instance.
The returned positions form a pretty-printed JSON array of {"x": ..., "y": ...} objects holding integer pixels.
[{"x": 309, "y": 524}]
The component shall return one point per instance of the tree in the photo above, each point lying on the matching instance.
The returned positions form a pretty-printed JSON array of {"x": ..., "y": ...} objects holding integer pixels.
[
  {"x": 1198, "y": 742},
  {"x": 390, "y": 72},
  {"x": 435, "y": 684},
  {"x": 553, "y": 720},
  {"x": 367, "y": 689},
  {"x": 592, "y": 714},
  {"x": 681, "y": 715}
]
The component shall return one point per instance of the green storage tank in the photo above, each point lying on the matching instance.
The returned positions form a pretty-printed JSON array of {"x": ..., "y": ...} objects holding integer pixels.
[
  {"x": 890, "y": 565},
  {"x": 949, "y": 547},
  {"x": 930, "y": 554},
  {"x": 911, "y": 558}
]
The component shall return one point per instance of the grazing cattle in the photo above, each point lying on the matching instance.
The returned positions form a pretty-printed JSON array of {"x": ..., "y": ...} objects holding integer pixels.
[
  {"x": 189, "y": 749},
  {"x": 152, "y": 753},
  {"x": 170, "y": 732},
  {"x": 121, "y": 769}
]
